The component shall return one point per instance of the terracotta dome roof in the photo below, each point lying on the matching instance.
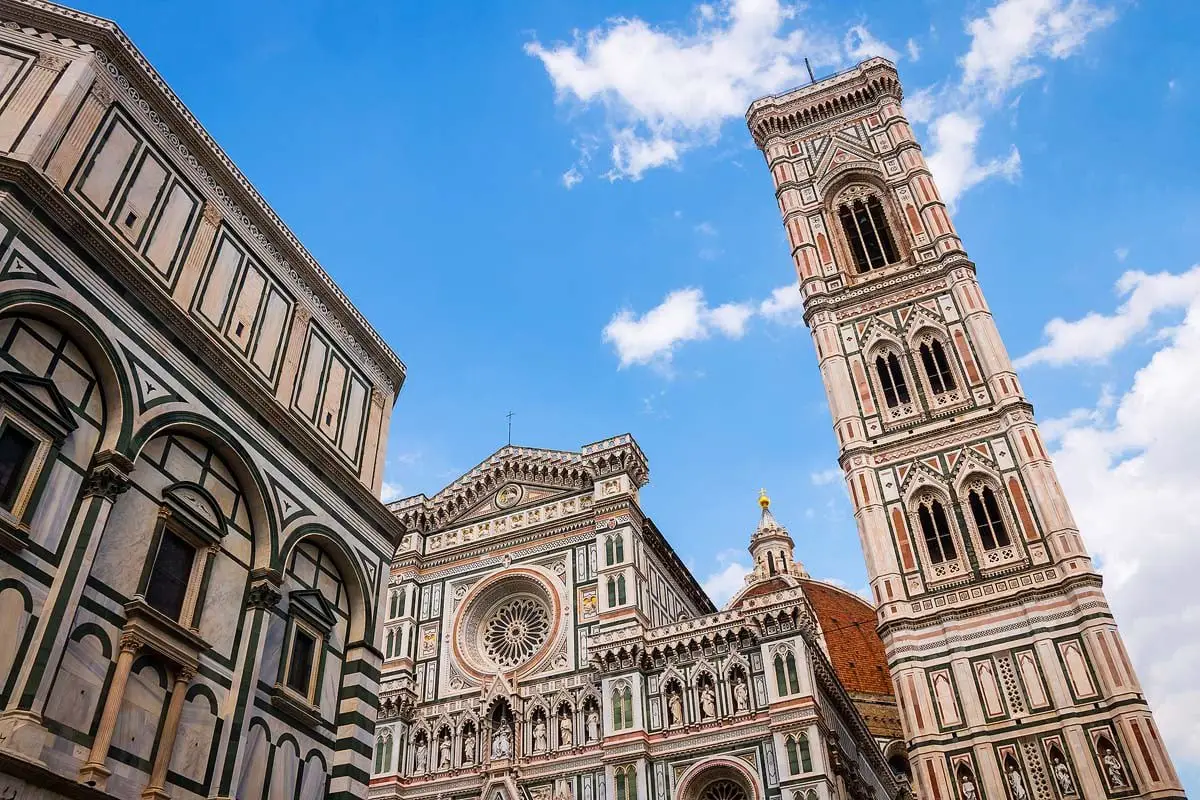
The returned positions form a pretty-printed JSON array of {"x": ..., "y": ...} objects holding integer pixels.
[{"x": 855, "y": 648}]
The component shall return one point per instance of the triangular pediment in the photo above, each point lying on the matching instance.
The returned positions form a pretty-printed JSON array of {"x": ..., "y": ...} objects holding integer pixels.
[
  {"x": 842, "y": 151},
  {"x": 41, "y": 401},
  {"x": 511, "y": 478},
  {"x": 510, "y": 497},
  {"x": 311, "y": 604}
]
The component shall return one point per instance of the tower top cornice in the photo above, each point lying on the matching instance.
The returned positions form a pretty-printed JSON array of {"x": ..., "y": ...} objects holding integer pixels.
[{"x": 845, "y": 92}]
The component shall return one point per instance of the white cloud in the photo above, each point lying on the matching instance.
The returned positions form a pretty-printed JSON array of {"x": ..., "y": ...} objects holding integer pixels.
[
  {"x": 728, "y": 579},
  {"x": 706, "y": 229},
  {"x": 914, "y": 50},
  {"x": 731, "y": 318},
  {"x": 390, "y": 491},
  {"x": 683, "y": 316},
  {"x": 1007, "y": 41},
  {"x": 954, "y": 162},
  {"x": 571, "y": 177},
  {"x": 860, "y": 45},
  {"x": 1121, "y": 253},
  {"x": 664, "y": 91},
  {"x": 826, "y": 476},
  {"x": 785, "y": 305},
  {"x": 1131, "y": 474},
  {"x": 1095, "y": 337}
]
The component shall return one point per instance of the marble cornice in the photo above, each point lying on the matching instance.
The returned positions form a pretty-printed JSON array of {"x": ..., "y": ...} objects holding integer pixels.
[
  {"x": 119, "y": 55},
  {"x": 82, "y": 232}
]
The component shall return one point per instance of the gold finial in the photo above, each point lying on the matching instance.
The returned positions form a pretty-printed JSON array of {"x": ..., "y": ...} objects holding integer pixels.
[{"x": 763, "y": 500}]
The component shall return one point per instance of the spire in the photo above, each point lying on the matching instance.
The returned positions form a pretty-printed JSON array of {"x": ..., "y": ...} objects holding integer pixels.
[{"x": 771, "y": 546}]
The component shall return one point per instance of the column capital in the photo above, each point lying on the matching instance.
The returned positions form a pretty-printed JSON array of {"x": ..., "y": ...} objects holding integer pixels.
[
  {"x": 185, "y": 674},
  {"x": 131, "y": 642},
  {"x": 108, "y": 476},
  {"x": 263, "y": 595}
]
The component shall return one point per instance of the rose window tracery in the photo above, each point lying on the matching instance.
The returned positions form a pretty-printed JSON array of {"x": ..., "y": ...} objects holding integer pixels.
[
  {"x": 508, "y": 623},
  {"x": 515, "y": 630},
  {"x": 723, "y": 789}
]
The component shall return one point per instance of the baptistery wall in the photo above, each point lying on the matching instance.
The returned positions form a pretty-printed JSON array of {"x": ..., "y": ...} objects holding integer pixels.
[{"x": 543, "y": 640}]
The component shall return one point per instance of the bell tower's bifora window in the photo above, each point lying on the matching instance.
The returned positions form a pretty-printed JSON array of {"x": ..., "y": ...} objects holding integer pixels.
[{"x": 865, "y": 226}]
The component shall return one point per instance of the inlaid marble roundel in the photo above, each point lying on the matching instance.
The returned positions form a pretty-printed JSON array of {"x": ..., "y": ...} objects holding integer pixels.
[{"x": 515, "y": 630}]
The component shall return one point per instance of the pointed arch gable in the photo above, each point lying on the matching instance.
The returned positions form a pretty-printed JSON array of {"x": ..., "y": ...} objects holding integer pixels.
[
  {"x": 265, "y": 528},
  {"x": 115, "y": 387},
  {"x": 359, "y": 591}
]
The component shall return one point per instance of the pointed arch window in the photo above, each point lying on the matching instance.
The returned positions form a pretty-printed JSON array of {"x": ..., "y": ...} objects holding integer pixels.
[
  {"x": 799, "y": 754},
  {"x": 891, "y": 380},
  {"x": 614, "y": 550},
  {"x": 787, "y": 679},
  {"x": 988, "y": 520},
  {"x": 935, "y": 527},
  {"x": 867, "y": 232},
  {"x": 622, "y": 707},
  {"x": 625, "y": 778},
  {"x": 621, "y": 598},
  {"x": 937, "y": 366}
]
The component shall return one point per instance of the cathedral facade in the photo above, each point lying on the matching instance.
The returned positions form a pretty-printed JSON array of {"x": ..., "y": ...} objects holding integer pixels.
[
  {"x": 543, "y": 640},
  {"x": 192, "y": 428},
  {"x": 1011, "y": 676}
]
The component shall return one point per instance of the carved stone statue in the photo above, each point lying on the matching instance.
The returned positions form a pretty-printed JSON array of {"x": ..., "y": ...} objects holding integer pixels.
[
  {"x": 1113, "y": 769},
  {"x": 591, "y": 728},
  {"x": 1016, "y": 783},
  {"x": 539, "y": 735},
  {"x": 421, "y": 759},
  {"x": 674, "y": 707},
  {"x": 1062, "y": 776},
  {"x": 969, "y": 791},
  {"x": 502, "y": 741},
  {"x": 562, "y": 790},
  {"x": 444, "y": 752},
  {"x": 565, "y": 734},
  {"x": 708, "y": 703},
  {"x": 741, "y": 695},
  {"x": 469, "y": 748}
]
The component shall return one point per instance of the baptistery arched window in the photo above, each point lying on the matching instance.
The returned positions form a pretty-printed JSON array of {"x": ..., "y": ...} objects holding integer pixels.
[
  {"x": 937, "y": 366},
  {"x": 985, "y": 510},
  {"x": 865, "y": 226},
  {"x": 935, "y": 527}
]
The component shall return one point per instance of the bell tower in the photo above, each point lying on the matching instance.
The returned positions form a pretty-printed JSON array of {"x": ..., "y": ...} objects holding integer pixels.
[{"x": 1011, "y": 675}]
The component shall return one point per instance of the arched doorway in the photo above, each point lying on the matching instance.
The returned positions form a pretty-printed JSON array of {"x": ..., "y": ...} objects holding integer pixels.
[{"x": 719, "y": 778}]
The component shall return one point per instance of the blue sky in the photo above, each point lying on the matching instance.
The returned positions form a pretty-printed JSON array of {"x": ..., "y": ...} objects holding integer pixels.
[{"x": 553, "y": 207}]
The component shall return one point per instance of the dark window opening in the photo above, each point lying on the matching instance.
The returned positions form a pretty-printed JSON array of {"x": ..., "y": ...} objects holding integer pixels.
[
  {"x": 891, "y": 380},
  {"x": 868, "y": 234},
  {"x": 241, "y": 326},
  {"x": 16, "y": 453},
  {"x": 301, "y": 662},
  {"x": 937, "y": 367},
  {"x": 130, "y": 218},
  {"x": 171, "y": 574},
  {"x": 936, "y": 530},
  {"x": 986, "y": 511}
]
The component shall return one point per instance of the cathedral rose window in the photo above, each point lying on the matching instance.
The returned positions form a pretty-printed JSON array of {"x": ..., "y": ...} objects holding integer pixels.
[
  {"x": 508, "y": 623},
  {"x": 515, "y": 630}
]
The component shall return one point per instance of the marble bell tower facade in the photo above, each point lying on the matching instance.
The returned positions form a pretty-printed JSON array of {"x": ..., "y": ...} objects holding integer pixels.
[{"x": 1011, "y": 675}]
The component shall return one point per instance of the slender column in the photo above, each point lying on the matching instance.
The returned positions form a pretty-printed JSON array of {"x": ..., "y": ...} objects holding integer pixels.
[
  {"x": 93, "y": 772},
  {"x": 20, "y": 724},
  {"x": 166, "y": 743},
  {"x": 262, "y": 597}
]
